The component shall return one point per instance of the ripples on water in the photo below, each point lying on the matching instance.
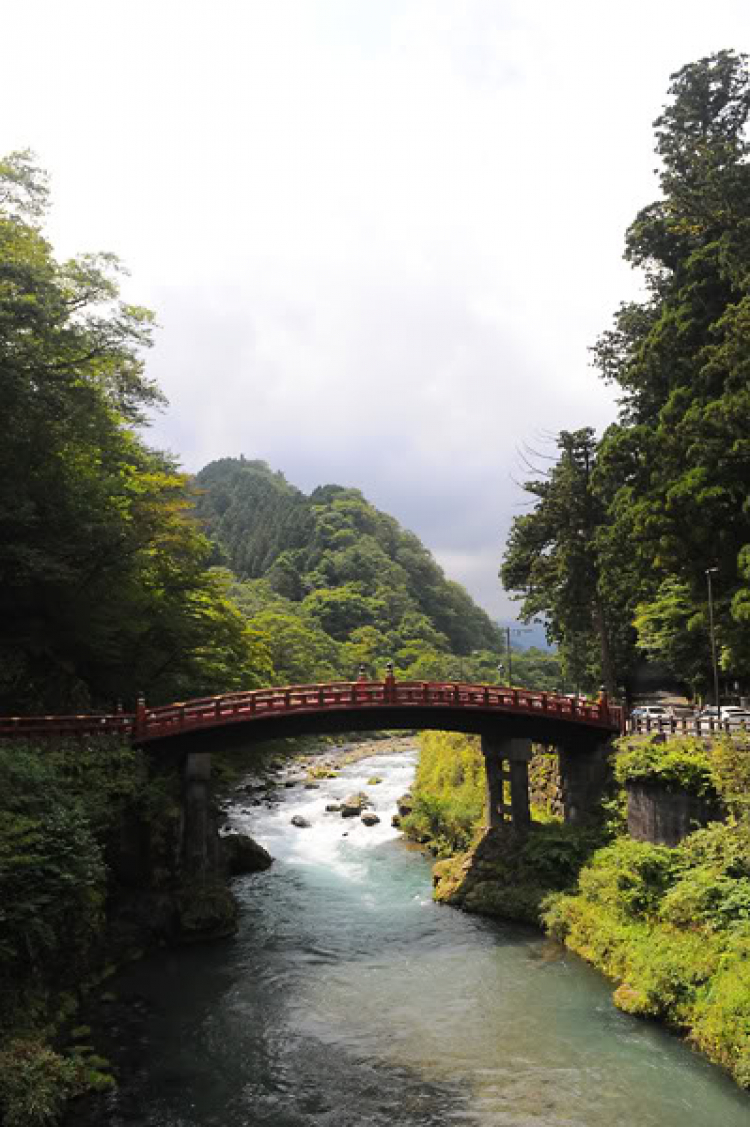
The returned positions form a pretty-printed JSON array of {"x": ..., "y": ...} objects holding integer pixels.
[{"x": 350, "y": 998}]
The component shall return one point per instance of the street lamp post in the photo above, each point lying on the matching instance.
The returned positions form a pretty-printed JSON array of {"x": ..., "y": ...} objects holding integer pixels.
[{"x": 709, "y": 572}]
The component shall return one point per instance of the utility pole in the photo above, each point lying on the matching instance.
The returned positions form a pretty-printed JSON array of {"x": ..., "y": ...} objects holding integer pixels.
[
  {"x": 508, "y": 631},
  {"x": 709, "y": 572}
]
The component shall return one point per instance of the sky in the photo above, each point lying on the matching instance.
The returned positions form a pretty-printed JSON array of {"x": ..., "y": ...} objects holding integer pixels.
[{"x": 379, "y": 236}]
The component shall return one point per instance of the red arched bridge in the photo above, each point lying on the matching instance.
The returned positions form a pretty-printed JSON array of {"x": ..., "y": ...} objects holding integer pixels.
[
  {"x": 508, "y": 720},
  {"x": 341, "y": 706}
]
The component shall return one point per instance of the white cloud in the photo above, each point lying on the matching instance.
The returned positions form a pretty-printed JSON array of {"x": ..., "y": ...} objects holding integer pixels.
[{"x": 379, "y": 237}]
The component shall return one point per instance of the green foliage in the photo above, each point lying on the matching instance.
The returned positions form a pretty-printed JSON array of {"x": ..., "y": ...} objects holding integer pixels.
[
  {"x": 730, "y": 765},
  {"x": 52, "y": 876},
  {"x": 629, "y": 877},
  {"x": 552, "y": 560},
  {"x": 35, "y": 1084},
  {"x": 448, "y": 791},
  {"x": 62, "y": 812},
  {"x": 681, "y": 764},
  {"x": 672, "y": 927}
]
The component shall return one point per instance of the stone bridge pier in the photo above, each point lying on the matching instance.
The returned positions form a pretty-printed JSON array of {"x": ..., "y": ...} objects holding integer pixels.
[
  {"x": 507, "y": 761},
  {"x": 199, "y": 840},
  {"x": 584, "y": 773}
]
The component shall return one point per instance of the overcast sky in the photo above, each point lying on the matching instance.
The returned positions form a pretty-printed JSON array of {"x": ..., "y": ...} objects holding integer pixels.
[{"x": 379, "y": 235}]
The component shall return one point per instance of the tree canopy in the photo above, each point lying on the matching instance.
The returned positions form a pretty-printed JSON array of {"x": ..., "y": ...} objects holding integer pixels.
[
  {"x": 670, "y": 477},
  {"x": 105, "y": 588}
]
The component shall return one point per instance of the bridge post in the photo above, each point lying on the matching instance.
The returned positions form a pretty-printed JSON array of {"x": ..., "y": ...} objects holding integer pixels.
[
  {"x": 516, "y": 753},
  {"x": 140, "y": 715},
  {"x": 196, "y": 776}
]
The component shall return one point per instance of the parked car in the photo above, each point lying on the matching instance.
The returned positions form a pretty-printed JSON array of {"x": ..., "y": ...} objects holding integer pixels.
[
  {"x": 651, "y": 712},
  {"x": 734, "y": 713}
]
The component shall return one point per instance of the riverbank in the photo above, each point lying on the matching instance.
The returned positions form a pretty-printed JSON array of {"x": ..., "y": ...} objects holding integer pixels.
[
  {"x": 92, "y": 877},
  {"x": 668, "y": 926}
]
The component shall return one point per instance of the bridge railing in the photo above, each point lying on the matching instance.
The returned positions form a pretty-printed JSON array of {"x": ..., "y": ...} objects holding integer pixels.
[
  {"x": 214, "y": 711},
  {"x": 83, "y": 724},
  {"x": 700, "y": 726},
  {"x": 231, "y": 707}
]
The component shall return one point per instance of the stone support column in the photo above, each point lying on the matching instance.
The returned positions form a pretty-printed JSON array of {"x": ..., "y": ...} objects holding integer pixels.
[
  {"x": 493, "y": 777},
  {"x": 197, "y": 836},
  {"x": 507, "y": 760},
  {"x": 584, "y": 774}
]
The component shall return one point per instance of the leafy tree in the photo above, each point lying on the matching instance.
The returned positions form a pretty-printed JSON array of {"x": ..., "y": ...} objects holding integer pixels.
[
  {"x": 681, "y": 450},
  {"x": 301, "y": 651},
  {"x": 552, "y": 559},
  {"x": 104, "y": 587},
  {"x": 666, "y": 496}
]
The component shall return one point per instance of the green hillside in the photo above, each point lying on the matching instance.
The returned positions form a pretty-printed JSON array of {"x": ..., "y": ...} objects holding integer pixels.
[{"x": 334, "y": 583}]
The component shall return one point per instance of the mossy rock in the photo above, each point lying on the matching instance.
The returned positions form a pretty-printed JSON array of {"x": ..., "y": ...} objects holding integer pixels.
[
  {"x": 241, "y": 854},
  {"x": 205, "y": 911},
  {"x": 632, "y": 1001}
]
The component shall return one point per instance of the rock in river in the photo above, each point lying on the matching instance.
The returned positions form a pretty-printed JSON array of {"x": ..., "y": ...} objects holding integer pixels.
[
  {"x": 353, "y": 806},
  {"x": 240, "y": 854},
  {"x": 301, "y": 822}
]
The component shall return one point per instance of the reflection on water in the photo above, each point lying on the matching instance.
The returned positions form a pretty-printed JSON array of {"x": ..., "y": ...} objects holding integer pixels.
[{"x": 349, "y": 997}]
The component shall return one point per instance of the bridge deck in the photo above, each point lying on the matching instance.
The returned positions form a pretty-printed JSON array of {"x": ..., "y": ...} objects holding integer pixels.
[{"x": 146, "y": 724}]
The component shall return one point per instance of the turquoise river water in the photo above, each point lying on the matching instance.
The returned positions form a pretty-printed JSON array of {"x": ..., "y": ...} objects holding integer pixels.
[{"x": 350, "y": 998}]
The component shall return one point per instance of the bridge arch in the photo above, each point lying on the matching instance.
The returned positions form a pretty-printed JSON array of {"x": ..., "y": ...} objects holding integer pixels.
[{"x": 508, "y": 720}]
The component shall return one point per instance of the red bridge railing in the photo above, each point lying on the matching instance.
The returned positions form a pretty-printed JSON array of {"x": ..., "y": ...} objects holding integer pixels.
[{"x": 211, "y": 712}]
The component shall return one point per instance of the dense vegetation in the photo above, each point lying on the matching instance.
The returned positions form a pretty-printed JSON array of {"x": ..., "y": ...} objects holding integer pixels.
[
  {"x": 672, "y": 926},
  {"x": 615, "y": 552},
  {"x": 63, "y": 813}
]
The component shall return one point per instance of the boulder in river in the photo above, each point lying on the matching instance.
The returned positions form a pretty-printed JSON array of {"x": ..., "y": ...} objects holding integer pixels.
[
  {"x": 405, "y": 804},
  {"x": 370, "y": 819},
  {"x": 300, "y": 822},
  {"x": 353, "y": 806},
  {"x": 241, "y": 854},
  {"x": 333, "y": 808}
]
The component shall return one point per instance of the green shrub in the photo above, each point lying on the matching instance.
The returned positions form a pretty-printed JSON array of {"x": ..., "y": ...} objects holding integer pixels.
[
  {"x": 35, "y": 1084},
  {"x": 629, "y": 877},
  {"x": 448, "y": 792},
  {"x": 680, "y": 764}
]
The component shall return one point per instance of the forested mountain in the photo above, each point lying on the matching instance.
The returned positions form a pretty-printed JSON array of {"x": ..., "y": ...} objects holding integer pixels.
[
  {"x": 625, "y": 529},
  {"x": 333, "y": 566}
]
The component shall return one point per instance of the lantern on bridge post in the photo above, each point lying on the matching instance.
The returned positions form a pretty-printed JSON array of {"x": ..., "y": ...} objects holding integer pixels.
[
  {"x": 603, "y": 701},
  {"x": 390, "y": 682}
]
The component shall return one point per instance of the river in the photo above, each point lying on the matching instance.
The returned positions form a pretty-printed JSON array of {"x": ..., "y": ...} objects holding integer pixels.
[{"x": 350, "y": 998}]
